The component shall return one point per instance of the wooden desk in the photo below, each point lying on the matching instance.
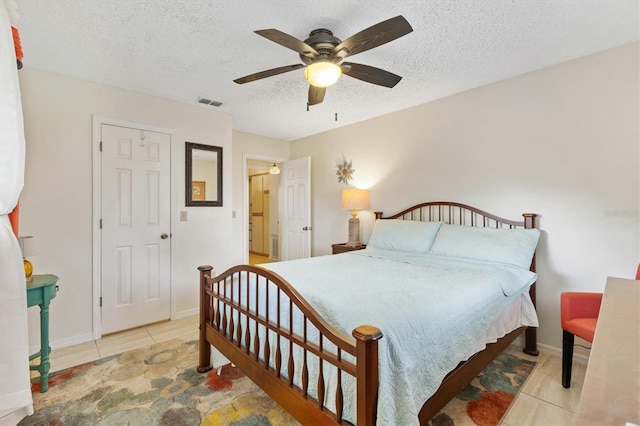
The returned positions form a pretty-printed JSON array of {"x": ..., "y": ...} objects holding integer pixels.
[
  {"x": 611, "y": 390},
  {"x": 40, "y": 290}
]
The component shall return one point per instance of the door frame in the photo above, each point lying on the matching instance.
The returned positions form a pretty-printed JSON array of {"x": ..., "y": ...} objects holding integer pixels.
[
  {"x": 245, "y": 199},
  {"x": 98, "y": 121}
]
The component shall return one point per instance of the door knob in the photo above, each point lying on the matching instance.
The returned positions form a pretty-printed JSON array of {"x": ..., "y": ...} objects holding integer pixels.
[
  {"x": 307, "y": 228},
  {"x": 164, "y": 236}
]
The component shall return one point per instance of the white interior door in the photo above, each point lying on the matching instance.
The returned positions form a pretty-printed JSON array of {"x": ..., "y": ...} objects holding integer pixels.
[
  {"x": 296, "y": 200},
  {"x": 136, "y": 217}
]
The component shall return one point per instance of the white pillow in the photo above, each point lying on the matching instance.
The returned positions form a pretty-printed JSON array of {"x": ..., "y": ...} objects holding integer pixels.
[
  {"x": 511, "y": 246},
  {"x": 403, "y": 235}
]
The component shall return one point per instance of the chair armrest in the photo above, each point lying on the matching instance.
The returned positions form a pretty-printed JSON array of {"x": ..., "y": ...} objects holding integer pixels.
[{"x": 579, "y": 305}]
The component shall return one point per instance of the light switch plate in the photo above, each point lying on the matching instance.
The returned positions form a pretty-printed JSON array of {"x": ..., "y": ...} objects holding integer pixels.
[{"x": 183, "y": 216}]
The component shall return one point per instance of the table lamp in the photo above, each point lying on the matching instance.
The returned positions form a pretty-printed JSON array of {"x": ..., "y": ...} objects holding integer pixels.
[
  {"x": 354, "y": 199},
  {"x": 28, "y": 249}
]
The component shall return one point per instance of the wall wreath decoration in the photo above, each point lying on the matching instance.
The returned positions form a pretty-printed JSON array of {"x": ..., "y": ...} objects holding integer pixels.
[{"x": 345, "y": 171}]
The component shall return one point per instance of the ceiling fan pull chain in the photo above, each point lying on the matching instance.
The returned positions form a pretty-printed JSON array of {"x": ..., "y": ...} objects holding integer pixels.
[{"x": 337, "y": 98}]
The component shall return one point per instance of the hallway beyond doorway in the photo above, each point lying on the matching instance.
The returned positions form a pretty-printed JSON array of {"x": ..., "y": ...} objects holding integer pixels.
[{"x": 256, "y": 259}]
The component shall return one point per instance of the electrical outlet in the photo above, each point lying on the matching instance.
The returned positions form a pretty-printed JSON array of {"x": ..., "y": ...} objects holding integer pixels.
[{"x": 183, "y": 216}]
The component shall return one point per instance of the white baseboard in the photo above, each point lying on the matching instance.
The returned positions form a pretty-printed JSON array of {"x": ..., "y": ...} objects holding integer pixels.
[
  {"x": 185, "y": 314},
  {"x": 551, "y": 350},
  {"x": 88, "y": 337},
  {"x": 63, "y": 343}
]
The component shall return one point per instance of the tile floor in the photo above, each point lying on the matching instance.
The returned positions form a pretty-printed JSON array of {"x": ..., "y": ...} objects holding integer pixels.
[
  {"x": 113, "y": 344},
  {"x": 542, "y": 401}
]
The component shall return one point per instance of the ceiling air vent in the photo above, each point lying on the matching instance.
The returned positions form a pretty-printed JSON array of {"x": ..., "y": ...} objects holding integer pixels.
[{"x": 206, "y": 101}]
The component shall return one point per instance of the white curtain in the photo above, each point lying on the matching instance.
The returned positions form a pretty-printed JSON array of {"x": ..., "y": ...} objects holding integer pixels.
[{"x": 15, "y": 392}]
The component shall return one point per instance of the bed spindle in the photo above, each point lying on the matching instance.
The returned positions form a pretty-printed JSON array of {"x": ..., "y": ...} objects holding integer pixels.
[
  {"x": 239, "y": 330},
  {"x": 218, "y": 317},
  {"x": 278, "y": 351},
  {"x": 290, "y": 364},
  {"x": 267, "y": 346},
  {"x": 224, "y": 306},
  {"x": 305, "y": 369},
  {"x": 339, "y": 395},
  {"x": 247, "y": 335},
  {"x": 320, "y": 377},
  {"x": 256, "y": 338},
  {"x": 231, "y": 322}
]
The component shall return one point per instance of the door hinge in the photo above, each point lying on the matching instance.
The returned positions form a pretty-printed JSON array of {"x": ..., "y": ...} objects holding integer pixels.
[
  {"x": 100, "y": 146},
  {"x": 101, "y": 301},
  {"x": 100, "y": 223}
]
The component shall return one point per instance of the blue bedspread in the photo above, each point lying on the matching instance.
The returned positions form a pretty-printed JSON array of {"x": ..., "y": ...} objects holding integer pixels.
[{"x": 429, "y": 309}]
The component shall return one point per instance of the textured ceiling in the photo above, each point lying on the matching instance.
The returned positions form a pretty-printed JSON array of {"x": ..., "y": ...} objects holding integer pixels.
[{"x": 185, "y": 49}]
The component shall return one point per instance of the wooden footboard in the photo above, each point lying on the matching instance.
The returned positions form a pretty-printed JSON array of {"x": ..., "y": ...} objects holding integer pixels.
[{"x": 236, "y": 317}]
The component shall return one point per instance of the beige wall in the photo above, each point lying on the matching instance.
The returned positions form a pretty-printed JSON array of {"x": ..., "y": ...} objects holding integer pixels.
[
  {"x": 561, "y": 142},
  {"x": 56, "y": 203}
]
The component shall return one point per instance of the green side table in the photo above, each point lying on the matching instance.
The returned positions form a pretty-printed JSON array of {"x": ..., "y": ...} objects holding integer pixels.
[{"x": 40, "y": 290}]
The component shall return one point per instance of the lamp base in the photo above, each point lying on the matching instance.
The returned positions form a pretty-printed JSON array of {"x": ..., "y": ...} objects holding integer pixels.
[
  {"x": 354, "y": 233},
  {"x": 28, "y": 269}
]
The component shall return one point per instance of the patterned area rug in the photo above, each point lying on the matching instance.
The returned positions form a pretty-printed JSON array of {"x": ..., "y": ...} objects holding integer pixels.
[{"x": 159, "y": 385}]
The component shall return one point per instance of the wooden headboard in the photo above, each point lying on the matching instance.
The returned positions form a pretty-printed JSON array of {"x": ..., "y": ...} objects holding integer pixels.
[
  {"x": 462, "y": 214},
  {"x": 459, "y": 214}
]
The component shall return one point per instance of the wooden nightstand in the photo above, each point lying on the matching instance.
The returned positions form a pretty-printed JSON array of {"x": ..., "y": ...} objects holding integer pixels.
[{"x": 343, "y": 248}]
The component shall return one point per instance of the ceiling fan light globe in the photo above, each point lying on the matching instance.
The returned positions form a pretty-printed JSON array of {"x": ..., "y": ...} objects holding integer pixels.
[{"x": 322, "y": 74}]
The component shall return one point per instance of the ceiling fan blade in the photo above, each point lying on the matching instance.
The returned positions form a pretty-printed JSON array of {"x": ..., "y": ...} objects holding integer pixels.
[
  {"x": 374, "y": 36},
  {"x": 288, "y": 41},
  {"x": 316, "y": 94},
  {"x": 267, "y": 73},
  {"x": 370, "y": 74}
]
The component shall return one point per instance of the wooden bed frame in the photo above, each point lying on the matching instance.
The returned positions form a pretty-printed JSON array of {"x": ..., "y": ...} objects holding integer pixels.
[{"x": 235, "y": 331}]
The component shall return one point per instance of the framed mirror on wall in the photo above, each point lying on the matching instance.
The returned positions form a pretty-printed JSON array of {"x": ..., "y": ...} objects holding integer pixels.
[{"x": 203, "y": 181}]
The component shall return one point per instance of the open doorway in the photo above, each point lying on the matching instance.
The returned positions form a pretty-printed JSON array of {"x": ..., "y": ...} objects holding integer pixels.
[{"x": 263, "y": 218}]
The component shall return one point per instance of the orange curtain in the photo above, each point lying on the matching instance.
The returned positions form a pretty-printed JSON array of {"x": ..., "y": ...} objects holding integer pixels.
[{"x": 14, "y": 218}]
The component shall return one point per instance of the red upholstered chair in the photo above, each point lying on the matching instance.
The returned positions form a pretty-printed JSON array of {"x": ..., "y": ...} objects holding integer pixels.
[{"x": 578, "y": 315}]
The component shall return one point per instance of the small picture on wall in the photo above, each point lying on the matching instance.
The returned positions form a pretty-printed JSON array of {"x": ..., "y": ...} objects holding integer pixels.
[{"x": 198, "y": 190}]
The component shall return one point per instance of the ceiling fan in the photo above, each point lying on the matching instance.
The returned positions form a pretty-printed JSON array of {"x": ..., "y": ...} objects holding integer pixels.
[{"x": 323, "y": 55}]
